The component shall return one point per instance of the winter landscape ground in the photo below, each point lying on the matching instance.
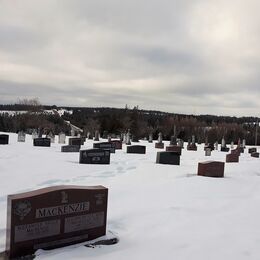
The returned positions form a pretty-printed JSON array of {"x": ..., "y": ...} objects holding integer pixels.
[{"x": 157, "y": 211}]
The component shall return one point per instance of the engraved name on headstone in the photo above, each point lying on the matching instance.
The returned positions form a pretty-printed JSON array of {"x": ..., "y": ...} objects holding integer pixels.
[
  {"x": 139, "y": 149},
  {"x": 54, "y": 217}
]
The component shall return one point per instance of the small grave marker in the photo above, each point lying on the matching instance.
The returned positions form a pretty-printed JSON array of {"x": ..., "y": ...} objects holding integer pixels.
[
  {"x": 4, "y": 139},
  {"x": 70, "y": 148},
  {"x": 252, "y": 150},
  {"x": 62, "y": 138},
  {"x": 139, "y": 149},
  {"x": 75, "y": 141},
  {"x": 45, "y": 142},
  {"x": 174, "y": 148},
  {"x": 255, "y": 154},
  {"x": 21, "y": 136}
]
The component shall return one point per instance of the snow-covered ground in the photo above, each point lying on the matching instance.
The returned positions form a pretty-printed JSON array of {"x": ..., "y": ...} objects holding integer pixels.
[{"x": 157, "y": 211}]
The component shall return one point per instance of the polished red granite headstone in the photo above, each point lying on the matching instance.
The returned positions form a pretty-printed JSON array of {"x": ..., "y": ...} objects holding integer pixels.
[
  {"x": 211, "y": 169},
  {"x": 174, "y": 148},
  {"x": 232, "y": 157},
  {"x": 235, "y": 151},
  {"x": 54, "y": 217},
  {"x": 118, "y": 144},
  {"x": 159, "y": 145}
]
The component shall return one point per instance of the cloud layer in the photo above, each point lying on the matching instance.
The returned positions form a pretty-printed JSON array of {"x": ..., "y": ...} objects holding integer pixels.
[{"x": 181, "y": 56}]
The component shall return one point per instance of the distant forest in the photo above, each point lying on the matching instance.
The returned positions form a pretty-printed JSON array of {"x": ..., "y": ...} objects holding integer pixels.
[{"x": 115, "y": 121}]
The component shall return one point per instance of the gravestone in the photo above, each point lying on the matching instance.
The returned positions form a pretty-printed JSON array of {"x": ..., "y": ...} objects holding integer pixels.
[
  {"x": 135, "y": 139},
  {"x": 168, "y": 158},
  {"x": 255, "y": 154},
  {"x": 223, "y": 142},
  {"x": 21, "y": 136},
  {"x": 224, "y": 149},
  {"x": 70, "y": 148},
  {"x": 210, "y": 146},
  {"x": 252, "y": 150},
  {"x": 128, "y": 137},
  {"x": 34, "y": 134},
  {"x": 45, "y": 142},
  {"x": 232, "y": 157},
  {"x": 106, "y": 146},
  {"x": 216, "y": 146},
  {"x": 150, "y": 139},
  {"x": 244, "y": 143},
  {"x": 54, "y": 217},
  {"x": 192, "y": 147},
  {"x": 232, "y": 145},
  {"x": 117, "y": 143},
  {"x": 96, "y": 138},
  {"x": 180, "y": 143},
  {"x": 174, "y": 148},
  {"x": 72, "y": 132},
  {"x": 4, "y": 139},
  {"x": 211, "y": 169},
  {"x": 235, "y": 151},
  {"x": 139, "y": 149},
  {"x": 51, "y": 136},
  {"x": 62, "y": 138},
  {"x": 208, "y": 152},
  {"x": 75, "y": 141},
  {"x": 173, "y": 140},
  {"x": 94, "y": 156},
  {"x": 160, "y": 143}
]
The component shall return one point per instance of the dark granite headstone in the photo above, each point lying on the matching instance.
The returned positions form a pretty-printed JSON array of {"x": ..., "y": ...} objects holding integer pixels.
[
  {"x": 232, "y": 157},
  {"x": 96, "y": 138},
  {"x": 106, "y": 146},
  {"x": 224, "y": 149},
  {"x": 140, "y": 149},
  {"x": 168, "y": 158},
  {"x": 118, "y": 144},
  {"x": 4, "y": 139},
  {"x": 255, "y": 154},
  {"x": 252, "y": 150},
  {"x": 21, "y": 136},
  {"x": 55, "y": 217},
  {"x": 75, "y": 141},
  {"x": 211, "y": 169},
  {"x": 94, "y": 156},
  {"x": 208, "y": 152},
  {"x": 209, "y": 145},
  {"x": 70, "y": 148},
  {"x": 174, "y": 148},
  {"x": 45, "y": 142}
]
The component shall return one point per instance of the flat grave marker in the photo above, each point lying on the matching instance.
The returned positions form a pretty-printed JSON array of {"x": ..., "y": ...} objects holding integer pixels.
[
  {"x": 252, "y": 150},
  {"x": 255, "y": 154}
]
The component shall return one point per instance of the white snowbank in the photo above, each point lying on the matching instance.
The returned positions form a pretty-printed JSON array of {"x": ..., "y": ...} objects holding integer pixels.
[{"x": 158, "y": 211}]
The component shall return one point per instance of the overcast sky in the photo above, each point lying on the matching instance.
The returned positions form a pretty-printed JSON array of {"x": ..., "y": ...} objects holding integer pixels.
[{"x": 183, "y": 56}]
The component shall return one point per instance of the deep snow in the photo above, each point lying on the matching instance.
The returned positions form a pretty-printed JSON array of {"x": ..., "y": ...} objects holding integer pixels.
[{"x": 157, "y": 211}]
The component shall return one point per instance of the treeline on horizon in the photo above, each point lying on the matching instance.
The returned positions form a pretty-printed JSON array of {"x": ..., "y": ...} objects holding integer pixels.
[{"x": 116, "y": 121}]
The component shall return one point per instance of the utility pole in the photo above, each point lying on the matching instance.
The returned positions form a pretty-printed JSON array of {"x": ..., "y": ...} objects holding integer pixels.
[{"x": 256, "y": 130}]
